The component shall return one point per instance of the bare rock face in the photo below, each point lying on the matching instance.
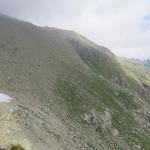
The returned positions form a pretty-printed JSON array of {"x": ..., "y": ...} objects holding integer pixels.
[
  {"x": 106, "y": 120},
  {"x": 96, "y": 119}
]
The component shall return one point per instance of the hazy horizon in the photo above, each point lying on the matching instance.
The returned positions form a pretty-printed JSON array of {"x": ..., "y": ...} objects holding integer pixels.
[{"x": 122, "y": 26}]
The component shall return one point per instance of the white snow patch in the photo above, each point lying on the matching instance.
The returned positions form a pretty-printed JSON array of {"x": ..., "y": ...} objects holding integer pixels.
[{"x": 5, "y": 98}]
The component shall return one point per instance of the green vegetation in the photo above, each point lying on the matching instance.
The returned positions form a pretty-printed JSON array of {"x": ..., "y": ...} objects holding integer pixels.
[
  {"x": 16, "y": 147},
  {"x": 99, "y": 92}
]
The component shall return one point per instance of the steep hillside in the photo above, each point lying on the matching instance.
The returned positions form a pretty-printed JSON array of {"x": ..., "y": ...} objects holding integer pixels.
[{"x": 68, "y": 92}]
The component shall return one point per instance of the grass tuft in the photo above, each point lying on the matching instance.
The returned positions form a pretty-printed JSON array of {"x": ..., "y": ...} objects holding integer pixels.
[{"x": 16, "y": 147}]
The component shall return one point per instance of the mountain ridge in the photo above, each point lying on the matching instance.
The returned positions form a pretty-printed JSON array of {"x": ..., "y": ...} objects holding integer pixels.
[{"x": 68, "y": 92}]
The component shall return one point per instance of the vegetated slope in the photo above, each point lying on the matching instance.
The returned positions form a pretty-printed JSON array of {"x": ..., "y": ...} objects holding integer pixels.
[
  {"x": 68, "y": 92},
  {"x": 139, "y": 73}
]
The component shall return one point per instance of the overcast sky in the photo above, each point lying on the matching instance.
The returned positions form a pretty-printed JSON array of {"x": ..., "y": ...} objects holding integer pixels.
[{"x": 121, "y": 25}]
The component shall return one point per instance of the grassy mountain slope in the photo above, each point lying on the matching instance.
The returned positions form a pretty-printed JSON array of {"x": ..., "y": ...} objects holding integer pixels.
[{"x": 68, "y": 92}]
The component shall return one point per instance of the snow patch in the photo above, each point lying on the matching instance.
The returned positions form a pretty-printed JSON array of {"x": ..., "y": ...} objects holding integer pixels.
[{"x": 5, "y": 98}]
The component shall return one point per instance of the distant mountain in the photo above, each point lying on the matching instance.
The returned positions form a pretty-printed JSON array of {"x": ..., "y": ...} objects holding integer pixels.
[
  {"x": 69, "y": 93},
  {"x": 147, "y": 63}
]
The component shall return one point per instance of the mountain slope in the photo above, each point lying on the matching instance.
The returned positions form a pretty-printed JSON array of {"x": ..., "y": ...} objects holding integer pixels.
[{"x": 68, "y": 92}]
